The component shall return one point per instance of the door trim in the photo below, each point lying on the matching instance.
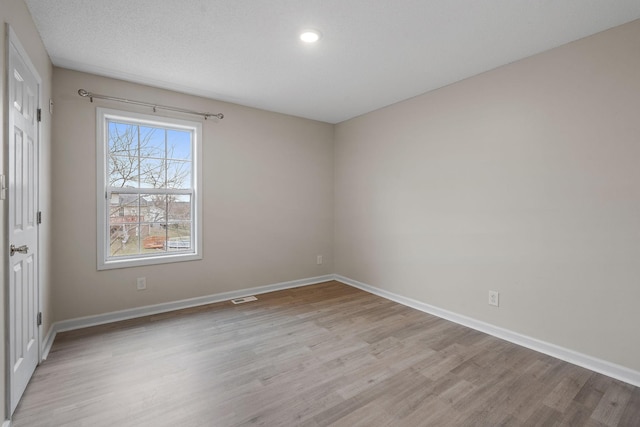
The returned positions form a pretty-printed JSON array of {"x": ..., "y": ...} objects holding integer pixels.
[{"x": 13, "y": 40}]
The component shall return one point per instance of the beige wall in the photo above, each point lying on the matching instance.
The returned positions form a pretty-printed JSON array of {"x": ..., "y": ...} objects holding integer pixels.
[
  {"x": 16, "y": 14},
  {"x": 524, "y": 180},
  {"x": 267, "y": 192}
]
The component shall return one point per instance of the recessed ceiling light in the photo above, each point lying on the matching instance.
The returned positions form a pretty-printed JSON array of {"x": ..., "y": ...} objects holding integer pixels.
[{"x": 310, "y": 36}]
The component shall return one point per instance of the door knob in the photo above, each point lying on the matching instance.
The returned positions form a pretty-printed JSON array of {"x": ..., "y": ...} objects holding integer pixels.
[{"x": 22, "y": 249}]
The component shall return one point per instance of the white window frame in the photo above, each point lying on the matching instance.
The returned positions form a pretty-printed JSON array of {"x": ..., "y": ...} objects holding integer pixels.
[{"x": 104, "y": 260}]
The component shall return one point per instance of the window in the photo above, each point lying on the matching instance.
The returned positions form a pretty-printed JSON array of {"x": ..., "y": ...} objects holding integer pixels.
[{"x": 149, "y": 209}]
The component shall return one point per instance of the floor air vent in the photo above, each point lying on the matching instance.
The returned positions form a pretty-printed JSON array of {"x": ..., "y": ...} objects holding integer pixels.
[{"x": 244, "y": 299}]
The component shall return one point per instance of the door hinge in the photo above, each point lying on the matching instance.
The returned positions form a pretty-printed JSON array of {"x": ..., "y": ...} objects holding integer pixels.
[
  {"x": 3, "y": 188},
  {"x": 39, "y": 114},
  {"x": 40, "y": 318},
  {"x": 39, "y": 217}
]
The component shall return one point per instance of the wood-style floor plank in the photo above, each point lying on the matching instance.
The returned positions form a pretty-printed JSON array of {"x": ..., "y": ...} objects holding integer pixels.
[{"x": 321, "y": 355}]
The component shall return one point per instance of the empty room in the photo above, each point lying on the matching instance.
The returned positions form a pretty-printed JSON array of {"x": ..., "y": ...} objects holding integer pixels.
[{"x": 320, "y": 213}]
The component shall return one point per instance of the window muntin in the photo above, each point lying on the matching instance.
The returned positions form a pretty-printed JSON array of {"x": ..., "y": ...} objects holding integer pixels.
[{"x": 148, "y": 172}]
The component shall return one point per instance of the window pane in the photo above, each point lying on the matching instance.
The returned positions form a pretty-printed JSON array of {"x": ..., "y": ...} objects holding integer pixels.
[
  {"x": 179, "y": 208},
  {"x": 179, "y": 144},
  {"x": 123, "y": 224},
  {"x": 179, "y": 223},
  {"x": 154, "y": 237},
  {"x": 123, "y": 171},
  {"x": 123, "y": 155},
  {"x": 152, "y": 142},
  {"x": 123, "y": 239},
  {"x": 156, "y": 211},
  {"x": 123, "y": 139},
  {"x": 179, "y": 236},
  {"x": 178, "y": 174},
  {"x": 153, "y": 208},
  {"x": 152, "y": 173},
  {"x": 123, "y": 208}
]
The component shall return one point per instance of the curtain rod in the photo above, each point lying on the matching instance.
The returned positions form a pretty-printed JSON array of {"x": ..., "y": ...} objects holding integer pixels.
[{"x": 90, "y": 95}]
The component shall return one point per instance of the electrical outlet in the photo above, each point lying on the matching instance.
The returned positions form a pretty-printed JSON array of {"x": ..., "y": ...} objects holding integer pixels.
[
  {"x": 494, "y": 298},
  {"x": 319, "y": 259},
  {"x": 141, "y": 283}
]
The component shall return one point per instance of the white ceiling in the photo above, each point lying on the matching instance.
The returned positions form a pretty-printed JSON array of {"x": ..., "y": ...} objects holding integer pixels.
[{"x": 373, "y": 52}]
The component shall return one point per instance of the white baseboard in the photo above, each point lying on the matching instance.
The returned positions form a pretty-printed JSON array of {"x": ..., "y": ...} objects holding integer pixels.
[
  {"x": 116, "y": 316},
  {"x": 47, "y": 343},
  {"x": 594, "y": 364},
  {"x": 6, "y": 423}
]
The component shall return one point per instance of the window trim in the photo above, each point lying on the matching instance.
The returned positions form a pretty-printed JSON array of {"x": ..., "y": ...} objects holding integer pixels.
[{"x": 103, "y": 261}]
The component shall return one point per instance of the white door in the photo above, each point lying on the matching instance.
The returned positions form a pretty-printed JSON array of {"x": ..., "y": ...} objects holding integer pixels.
[{"x": 23, "y": 89}]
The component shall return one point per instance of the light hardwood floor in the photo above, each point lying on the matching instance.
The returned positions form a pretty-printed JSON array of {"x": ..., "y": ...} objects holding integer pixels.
[{"x": 320, "y": 355}]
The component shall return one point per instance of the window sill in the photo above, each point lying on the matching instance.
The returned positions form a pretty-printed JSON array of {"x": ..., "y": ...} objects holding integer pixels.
[{"x": 152, "y": 260}]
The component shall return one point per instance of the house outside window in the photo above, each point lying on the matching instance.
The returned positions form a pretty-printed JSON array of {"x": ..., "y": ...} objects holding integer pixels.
[{"x": 149, "y": 209}]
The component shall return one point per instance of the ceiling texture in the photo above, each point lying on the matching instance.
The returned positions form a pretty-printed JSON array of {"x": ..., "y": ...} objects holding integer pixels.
[{"x": 372, "y": 53}]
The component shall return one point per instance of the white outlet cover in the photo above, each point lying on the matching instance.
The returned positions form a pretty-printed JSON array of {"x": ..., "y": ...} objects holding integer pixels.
[{"x": 494, "y": 298}]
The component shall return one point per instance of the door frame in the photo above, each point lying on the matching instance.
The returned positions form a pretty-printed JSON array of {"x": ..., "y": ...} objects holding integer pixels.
[{"x": 11, "y": 38}]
